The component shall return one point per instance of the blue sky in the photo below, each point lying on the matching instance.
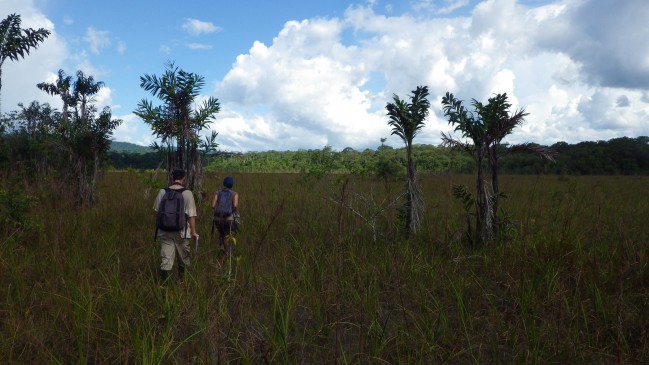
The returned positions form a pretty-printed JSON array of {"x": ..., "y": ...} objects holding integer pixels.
[{"x": 305, "y": 74}]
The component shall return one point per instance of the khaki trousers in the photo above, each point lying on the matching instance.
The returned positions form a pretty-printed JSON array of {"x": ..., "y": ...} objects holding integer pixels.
[{"x": 170, "y": 244}]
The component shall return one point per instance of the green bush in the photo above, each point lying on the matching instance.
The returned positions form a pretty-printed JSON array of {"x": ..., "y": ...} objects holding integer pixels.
[{"x": 15, "y": 208}]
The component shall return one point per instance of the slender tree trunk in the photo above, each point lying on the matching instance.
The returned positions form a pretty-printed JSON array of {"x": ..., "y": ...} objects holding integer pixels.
[
  {"x": 179, "y": 155},
  {"x": 185, "y": 151},
  {"x": 480, "y": 200},
  {"x": 65, "y": 112},
  {"x": 1, "y": 62},
  {"x": 412, "y": 203},
  {"x": 41, "y": 165},
  {"x": 493, "y": 164},
  {"x": 181, "y": 150},
  {"x": 197, "y": 173},
  {"x": 80, "y": 178},
  {"x": 409, "y": 206},
  {"x": 84, "y": 117},
  {"x": 172, "y": 156},
  {"x": 86, "y": 196},
  {"x": 96, "y": 170}
]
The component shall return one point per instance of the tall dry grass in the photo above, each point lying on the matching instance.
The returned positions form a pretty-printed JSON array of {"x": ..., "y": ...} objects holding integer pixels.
[{"x": 309, "y": 283}]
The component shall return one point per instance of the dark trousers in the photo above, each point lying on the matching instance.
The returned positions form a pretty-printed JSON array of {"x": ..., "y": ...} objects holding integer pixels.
[{"x": 225, "y": 227}]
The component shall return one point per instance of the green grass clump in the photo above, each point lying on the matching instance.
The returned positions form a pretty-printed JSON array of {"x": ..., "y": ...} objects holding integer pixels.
[{"x": 322, "y": 273}]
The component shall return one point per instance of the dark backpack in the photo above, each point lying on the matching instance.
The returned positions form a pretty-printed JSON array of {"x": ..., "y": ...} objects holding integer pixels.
[
  {"x": 224, "y": 206},
  {"x": 171, "y": 211}
]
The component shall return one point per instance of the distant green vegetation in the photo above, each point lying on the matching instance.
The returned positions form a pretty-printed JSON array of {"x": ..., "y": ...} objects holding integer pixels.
[
  {"x": 124, "y": 155},
  {"x": 618, "y": 156},
  {"x": 428, "y": 159},
  {"x": 125, "y": 147}
]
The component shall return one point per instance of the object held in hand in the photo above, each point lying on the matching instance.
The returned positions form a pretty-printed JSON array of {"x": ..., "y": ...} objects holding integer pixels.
[{"x": 237, "y": 218}]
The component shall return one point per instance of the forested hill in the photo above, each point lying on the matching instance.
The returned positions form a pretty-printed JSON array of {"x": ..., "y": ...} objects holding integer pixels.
[
  {"x": 127, "y": 147},
  {"x": 619, "y": 156}
]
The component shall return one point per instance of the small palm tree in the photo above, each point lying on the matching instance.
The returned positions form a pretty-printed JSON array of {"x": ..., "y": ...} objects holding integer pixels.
[
  {"x": 78, "y": 94},
  {"x": 16, "y": 42},
  {"x": 85, "y": 88},
  {"x": 406, "y": 120},
  {"x": 63, "y": 88},
  {"x": 473, "y": 129},
  {"x": 176, "y": 122},
  {"x": 486, "y": 127}
]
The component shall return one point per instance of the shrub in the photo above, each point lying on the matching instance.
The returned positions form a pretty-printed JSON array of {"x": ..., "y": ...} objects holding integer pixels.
[{"x": 15, "y": 208}]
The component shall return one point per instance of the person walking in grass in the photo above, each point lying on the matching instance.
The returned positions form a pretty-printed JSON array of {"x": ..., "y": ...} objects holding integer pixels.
[
  {"x": 225, "y": 204},
  {"x": 175, "y": 224}
]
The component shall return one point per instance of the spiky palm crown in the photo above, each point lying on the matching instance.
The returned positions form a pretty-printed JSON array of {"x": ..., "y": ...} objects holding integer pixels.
[{"x": 407, "y": 119}]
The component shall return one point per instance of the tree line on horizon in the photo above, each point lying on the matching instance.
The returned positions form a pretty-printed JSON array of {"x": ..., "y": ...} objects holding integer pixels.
[{"x": 617, "y": 156}]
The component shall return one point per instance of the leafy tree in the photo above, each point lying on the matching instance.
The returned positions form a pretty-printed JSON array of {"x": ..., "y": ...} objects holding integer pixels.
[
  {"x": 85, "y": 88},
  {"x": 471, "y": 127},
  {"x": 406, "y": 120},
  {"x": 387, "y": 164},
  {"x": 83, "y": 133},
  {"x": 33, "y": 129},
  {"x": 499, "y": 123},
  {"x": 176, "y": 122},
  {"x": 322, "y": 163},
  {"x": 62, "y": 87},
  {"x": 485, "y": 127},
  {"x": 16, "y": 42},
  {"x": 36, "y": 119}
]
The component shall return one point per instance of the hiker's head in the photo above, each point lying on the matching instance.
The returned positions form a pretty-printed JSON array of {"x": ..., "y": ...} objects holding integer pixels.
[
  {"x": 178, "y": 174},
  {"x": 228, "y": 182}
]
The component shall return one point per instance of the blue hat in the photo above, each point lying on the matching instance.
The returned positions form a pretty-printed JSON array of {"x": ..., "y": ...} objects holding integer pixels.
[{"x": 228, "y": 182}]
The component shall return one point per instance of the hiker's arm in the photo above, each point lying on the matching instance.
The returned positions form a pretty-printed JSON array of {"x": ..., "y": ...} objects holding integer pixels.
[
  {"x": 235, "y": 201},
  {"x": 216, "y": 197},
  {"x": 192, "y": 226},
  {"x": 156, "y": 204}
]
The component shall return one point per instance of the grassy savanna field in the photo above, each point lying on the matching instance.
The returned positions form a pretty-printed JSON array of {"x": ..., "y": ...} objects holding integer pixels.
[{"x": 310, "y": 284}]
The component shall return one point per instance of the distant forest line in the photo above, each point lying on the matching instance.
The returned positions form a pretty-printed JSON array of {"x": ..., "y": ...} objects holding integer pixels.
[{"x": 618, "y": 156}]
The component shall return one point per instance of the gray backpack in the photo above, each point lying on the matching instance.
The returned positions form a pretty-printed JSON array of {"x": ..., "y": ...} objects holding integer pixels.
[{"x": 171, "y": 215}]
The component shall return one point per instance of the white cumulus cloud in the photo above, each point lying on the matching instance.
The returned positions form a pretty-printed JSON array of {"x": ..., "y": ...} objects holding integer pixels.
[
  {"x": 198, "y": 46},
  {"x": 328, "y": 80},
  {"x": 96, "y": 39},
  {"x": 197, "y": 27}
]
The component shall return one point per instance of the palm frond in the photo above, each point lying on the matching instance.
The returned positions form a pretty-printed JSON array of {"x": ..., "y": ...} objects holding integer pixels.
[
  {"x": 398, "y": 114},
  {"x": 545, "y": 152},
  {"x": 16, "y": 42},
  {"x": 503, "y": 127},
  {"x": 450, "y": 142},
  {"x": 206, "y": 111}
]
